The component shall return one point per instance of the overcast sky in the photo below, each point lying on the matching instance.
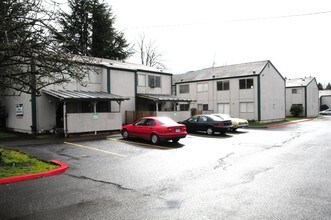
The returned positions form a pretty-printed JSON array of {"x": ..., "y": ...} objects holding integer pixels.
[{"x": 295, "y": 35}]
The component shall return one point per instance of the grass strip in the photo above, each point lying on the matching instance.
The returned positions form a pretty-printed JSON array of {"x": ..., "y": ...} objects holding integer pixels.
[{"x": 14, "y": 163}]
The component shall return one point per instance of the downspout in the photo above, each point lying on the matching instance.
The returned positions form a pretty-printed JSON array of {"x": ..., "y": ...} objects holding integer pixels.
[
  {"x": 65, "y": 126},
  {"x": 108, "y": 80},
  {"x": 259, "y": 98},
  {"x": 305, "y": 101},
  {"x": 33, "y": 98},
  {"x": 135, "y": 89}
]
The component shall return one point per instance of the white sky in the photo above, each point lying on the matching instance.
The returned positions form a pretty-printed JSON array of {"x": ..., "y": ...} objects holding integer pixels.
[{"x": 192, "y": 34}]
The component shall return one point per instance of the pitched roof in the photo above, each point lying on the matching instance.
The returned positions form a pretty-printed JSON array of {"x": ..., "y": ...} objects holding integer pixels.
[
  {"x": 236, "y": 70},
  {"x": 297, "y": 82},
  {"x": 119, "y": 64},
  {"x": 324, "y": 93}
]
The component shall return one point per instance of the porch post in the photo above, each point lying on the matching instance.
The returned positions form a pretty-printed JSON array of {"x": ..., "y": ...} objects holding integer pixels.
[
  {"x": 65, "y": 121},
  {"x": 157, "y": 107}
]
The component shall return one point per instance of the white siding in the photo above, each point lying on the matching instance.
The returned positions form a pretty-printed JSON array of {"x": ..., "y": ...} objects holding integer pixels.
[
  {"x": 296, "y": 98},
  {"x": 165, "y": 87},
  {"x": 312, "y": 99},
  {"x": 272, "y": 94},
  {"x": 20, "y": 124}
]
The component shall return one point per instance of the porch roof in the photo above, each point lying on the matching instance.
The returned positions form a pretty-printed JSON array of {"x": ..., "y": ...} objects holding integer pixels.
[
  {"x": 162, "y": 97},
  {"x": 83, "y": 95}
]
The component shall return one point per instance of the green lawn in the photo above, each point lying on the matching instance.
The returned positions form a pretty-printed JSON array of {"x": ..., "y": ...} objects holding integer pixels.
[
  {"x": 14, "y": 163},
  {"x": 6, "y": 135}
]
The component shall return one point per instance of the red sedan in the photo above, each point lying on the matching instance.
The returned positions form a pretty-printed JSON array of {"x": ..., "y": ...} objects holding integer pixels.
[{"x": 155, "y": 129}]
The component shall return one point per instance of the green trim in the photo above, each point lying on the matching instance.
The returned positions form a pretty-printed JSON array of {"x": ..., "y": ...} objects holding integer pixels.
[
  {"x": 306, "y": 101},
  {"x": 34, "y": 112},
  {"x": 259, "y": 98},
  {"x": 108, "y": 80},
  {"x": 135, "y": 89}
]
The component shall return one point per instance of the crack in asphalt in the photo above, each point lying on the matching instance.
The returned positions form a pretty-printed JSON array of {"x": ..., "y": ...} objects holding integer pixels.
[
  {"x": 221, "y": 163},
  {"x": 100, "y": 181},
  {"x": 251, "y": 176},
  {"x": 171, "y": 204}
]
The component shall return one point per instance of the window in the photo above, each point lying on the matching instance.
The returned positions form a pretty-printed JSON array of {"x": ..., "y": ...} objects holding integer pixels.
[
  {"x": 246, "y": 84},
  {"x": 202, "y": 87},
  {"x": 184, "y": 88},
  {"x": 154, "y": 81},
  {"x": 295, "y": 91},
  {"x": 223, "y": 108},
  {"x": 246, "y": 107},
  {"x": 173, "y": 90},
  {"x": 203, "y": 119},
  {"x": 202, "y": 107},
  {"x": 223, "y": 85},
  {"x": 141, "y": 80},
  {"x": 184, "y": 107},
  {"x": 149, "y": 122}
]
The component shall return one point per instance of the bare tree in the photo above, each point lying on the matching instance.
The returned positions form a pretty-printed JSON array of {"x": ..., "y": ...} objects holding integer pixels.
[{"x": 149, "y": 53}]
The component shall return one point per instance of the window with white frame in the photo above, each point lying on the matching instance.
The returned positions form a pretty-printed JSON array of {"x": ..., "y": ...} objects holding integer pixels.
[
  {"x": 296, "y": 91},
  {"x": 141, "y": 80},
  {"x": 246, "y": 83},
  {"x": 184, "y": 88},
  {"x": 184, "y": 107},
  {"x": 154, "y": 81},
  {"x": 202, "y": 87},
  {"x": 223, "y": 108},
  {"x": 247, "y": 107}
]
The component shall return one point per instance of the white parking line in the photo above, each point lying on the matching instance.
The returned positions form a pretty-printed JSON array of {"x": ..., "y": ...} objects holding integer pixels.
[
  {"x": 93, "y": 148},
  {"x": 142, "y": 144}
]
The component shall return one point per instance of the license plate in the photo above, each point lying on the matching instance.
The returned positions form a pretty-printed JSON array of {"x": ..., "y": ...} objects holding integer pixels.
[{"x": 177, "y": 129}]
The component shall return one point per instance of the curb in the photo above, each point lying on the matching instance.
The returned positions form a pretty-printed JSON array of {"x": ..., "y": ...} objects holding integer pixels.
[
  {"x": 288, "y": 123},
  {"x": 13, "y": 179}
]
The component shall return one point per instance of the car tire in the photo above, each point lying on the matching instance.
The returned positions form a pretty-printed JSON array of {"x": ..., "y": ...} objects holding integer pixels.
[
  {"x": 125, "y": 134},
  {"x": 234, "y": 129},
  {"x": 155, "y": 139},
  {"x": 210, "y": 131},
  {"x": 175, "y": 140}
]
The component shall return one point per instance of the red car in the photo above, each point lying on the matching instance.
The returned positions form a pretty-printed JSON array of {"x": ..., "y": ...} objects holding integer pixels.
[{"x": 155, "y": 129}]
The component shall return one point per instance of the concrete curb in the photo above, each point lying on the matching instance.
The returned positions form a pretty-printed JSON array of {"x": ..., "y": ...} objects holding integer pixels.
[
  {"x": 13, "y": 179},
  {"x": 288, "y": 123}
]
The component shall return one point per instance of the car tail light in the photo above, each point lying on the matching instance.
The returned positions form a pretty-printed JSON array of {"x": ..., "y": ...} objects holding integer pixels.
[
  {"x": 169, "y": 129},
  {"x": 220, "y": 124}
]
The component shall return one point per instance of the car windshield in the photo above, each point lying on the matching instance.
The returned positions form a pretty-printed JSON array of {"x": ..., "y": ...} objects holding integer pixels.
[{"x": 166, "y": 121}]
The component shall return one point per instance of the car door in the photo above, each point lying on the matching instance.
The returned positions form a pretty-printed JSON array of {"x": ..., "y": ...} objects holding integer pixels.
[
  {"x": 137, "y": 128},
  {"x": 148, "y": 128},
  {"x": 202, "y": 123},
  {"x": 191, "y": 123}
]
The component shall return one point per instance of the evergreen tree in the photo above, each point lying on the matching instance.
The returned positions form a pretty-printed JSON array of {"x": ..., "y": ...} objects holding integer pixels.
[
  {"x": 328, "y": 86},
  {"x": 90, "y": 29},
  {"x": 30, "y": 57},
  {"x": 320, "y": 86}
]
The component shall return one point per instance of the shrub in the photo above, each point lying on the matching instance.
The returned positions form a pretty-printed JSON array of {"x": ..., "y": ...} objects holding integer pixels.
[{"x": 296, "y": 109}]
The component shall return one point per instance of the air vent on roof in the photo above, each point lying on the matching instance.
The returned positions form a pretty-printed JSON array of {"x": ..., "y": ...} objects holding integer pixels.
[{"x": 254, "y": 72}]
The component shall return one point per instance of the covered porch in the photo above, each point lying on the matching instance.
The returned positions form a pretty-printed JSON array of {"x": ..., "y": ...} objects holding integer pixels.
[
  {"x": 81, "y": 111},
  {"x": 164, "y": 105}
]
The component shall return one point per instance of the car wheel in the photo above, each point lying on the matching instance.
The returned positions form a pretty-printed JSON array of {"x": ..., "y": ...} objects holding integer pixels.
[
  {"x": 210, "y": 131},
  {"x": 234, "y": 129},
  {"x": 155, "y": 139},
  {"x": 125, "y": 134},
  {"x": 175, "y": 140}
]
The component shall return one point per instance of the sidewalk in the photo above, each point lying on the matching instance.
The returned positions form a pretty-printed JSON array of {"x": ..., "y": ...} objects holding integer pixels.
[{"x": 26, "y": 140}]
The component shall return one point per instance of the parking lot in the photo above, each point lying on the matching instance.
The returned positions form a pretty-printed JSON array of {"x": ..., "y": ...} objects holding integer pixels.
[{"x": 276, "y": 173}]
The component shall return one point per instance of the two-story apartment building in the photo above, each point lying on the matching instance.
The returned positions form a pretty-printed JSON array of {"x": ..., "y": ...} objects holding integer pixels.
[
  {"x": 325, "y": 97},
  {"x": 254, "y": 91},
  {"x": 112, "y": 89},
  {"x": 304, "y": 92}
]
